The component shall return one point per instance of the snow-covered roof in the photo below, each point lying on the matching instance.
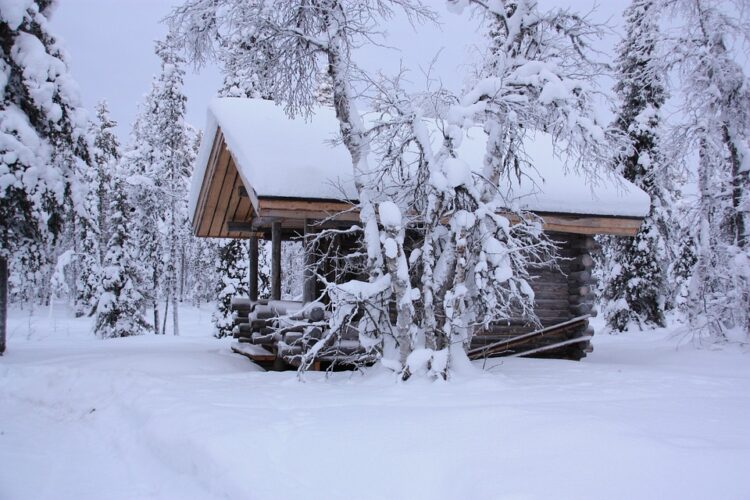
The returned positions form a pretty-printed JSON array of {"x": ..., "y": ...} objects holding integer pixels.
[{"x": 278, "y": 156}]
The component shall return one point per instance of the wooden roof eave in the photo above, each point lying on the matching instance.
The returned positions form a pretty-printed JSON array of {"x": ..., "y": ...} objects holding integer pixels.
[{"x": 343, "y": 212}]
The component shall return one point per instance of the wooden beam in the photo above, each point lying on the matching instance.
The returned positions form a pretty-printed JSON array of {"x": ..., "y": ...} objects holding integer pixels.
[
  {"x": 234, "y": 226},
  {"x": 276, "y": 260},
  {"x": 253, "y": 254}
]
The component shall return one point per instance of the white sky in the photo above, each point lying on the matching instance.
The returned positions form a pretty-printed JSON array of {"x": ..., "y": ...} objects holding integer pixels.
[{"x": 110, "y": 44}]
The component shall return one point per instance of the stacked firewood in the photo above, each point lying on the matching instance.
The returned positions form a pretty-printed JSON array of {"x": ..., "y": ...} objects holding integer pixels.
[{"x": 289, "y": 329}]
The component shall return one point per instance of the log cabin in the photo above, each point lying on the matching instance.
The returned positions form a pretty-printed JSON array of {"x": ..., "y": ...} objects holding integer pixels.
[{"x": 263, "y": 175}]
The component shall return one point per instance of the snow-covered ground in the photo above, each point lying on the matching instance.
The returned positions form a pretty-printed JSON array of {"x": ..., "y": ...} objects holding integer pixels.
[{"x": 183, "y": 418}]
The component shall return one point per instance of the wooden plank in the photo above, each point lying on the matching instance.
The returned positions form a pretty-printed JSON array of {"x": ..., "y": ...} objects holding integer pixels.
[
  {"x": 234, "y": 201},
  {"x": 206, "y": 181},
  {"x": 212, "y": 199},
  {"x": 244, "y": 214},
  {"x": 242, "y": 211},
  {"x": 556, "y": 345},
  {"x": 222, "y": 205},
  {"x": 507, "y": 344},
  {"x": 301, "y": 215},
  {"x": 254, "y": 352},
  {"x": 301, "y": 205}
]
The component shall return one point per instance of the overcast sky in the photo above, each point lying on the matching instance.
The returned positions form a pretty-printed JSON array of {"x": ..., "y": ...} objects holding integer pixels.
[{"x": 110, "y": 44}]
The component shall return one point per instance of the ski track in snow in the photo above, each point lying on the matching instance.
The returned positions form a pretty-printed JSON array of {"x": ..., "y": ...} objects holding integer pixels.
[{"x": 182, "y": 417}]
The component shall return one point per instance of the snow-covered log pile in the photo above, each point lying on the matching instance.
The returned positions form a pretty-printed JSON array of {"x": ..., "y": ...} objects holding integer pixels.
[{"x": 286, "y": 330}]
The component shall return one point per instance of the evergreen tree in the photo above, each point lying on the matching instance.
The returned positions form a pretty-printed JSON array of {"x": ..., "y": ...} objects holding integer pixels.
[
  {"x": 143, "y": 192},
  {"x": 93, "y": 231},
  {"x": 201, "y": 273},
  {"x": 232, "y": 272},
  {"x": 42, "y": 136},
  {"x": 173, "y": 165},
  {"x": 159, "y": 160},
  {"x": 635, "y": 291},
  {"x": 120, "y": 308}
]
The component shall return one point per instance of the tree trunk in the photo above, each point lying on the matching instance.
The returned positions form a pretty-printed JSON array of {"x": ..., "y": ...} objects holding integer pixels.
[
  {"x": 175, "y": 323},
  {"x": 182, "y": 273},
  {"x": 155, "y": 301},
  {"x": 276, "y": 261},
  {"x": 166, "y": 315},
  {"x": 3, "y": 301}
]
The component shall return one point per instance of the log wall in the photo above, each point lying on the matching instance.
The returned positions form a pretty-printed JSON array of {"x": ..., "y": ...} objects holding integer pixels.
[{"x": 561, "y": 294}]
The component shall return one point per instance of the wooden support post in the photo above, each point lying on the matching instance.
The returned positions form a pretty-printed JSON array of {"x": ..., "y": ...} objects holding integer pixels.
[
  {"x": 276, "y": 260},
  {"x": 308, "y": 286},
  {"x": 253, "y": 254}
]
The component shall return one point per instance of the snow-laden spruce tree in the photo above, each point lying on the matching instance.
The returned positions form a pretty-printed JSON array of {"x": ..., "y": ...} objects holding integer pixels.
[
  {"x": 159, "y": 161},
  {"x": 144, "y": 196},
  {"x": 635, "y": 289},
  {"x": 119, "y": 310},
  {"x": 231, "y": 271},
  {"x": 201, "y": 279},
  {"x": 42, "y": 135},
  {"x": 93, "y": 231},
  {"x": 716, "y": 109},
  {"x": 173, "y": 166}
]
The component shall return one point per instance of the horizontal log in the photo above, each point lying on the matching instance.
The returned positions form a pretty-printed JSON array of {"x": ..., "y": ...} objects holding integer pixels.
[
  {"x": 579, "y": 289},
  {"x": 262, "y": 312},
  {"x": 254, "y": 326},
  {"x": 285, "y": 349},
  {"x": 575, "y": 300},
  {"x": 265, "y": 339},
  {"x": 555, "y": 346},
  {"x": 542, "y": 302},
  {"x": 584, "y": 308},
  {"x": 314, "y": 333},
  {"x": 582, "y": 263},
  {"x": 580, "y": 276},
  {"x": 311, "y": 312},
  {"x": 583, "y": 243},
  {"x": 292, "y": 337}
]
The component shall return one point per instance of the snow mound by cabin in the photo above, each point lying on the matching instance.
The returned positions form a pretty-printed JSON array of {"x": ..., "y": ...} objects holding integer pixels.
[{"x": 279, "y": 156}]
